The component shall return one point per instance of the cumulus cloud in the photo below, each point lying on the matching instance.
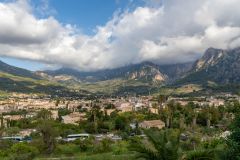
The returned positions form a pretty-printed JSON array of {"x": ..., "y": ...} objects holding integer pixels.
[{"x": 164, "y": 32}]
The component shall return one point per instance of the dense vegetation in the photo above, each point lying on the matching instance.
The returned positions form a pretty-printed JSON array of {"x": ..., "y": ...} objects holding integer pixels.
[{"x": 192, "y": 132}]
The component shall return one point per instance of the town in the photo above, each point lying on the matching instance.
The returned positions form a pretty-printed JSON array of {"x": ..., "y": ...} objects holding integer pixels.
[
  {"x": 76, "y": 111},
  {"x": 119, "y": 80},
  {"x": 67, "y": 122}
]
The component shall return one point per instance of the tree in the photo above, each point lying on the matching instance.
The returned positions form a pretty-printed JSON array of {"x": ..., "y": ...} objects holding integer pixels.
[
  {"x": 233, "y": 141},
  {"x": 194, "y": 120},
  {"x": 2, "y": 123},
  {"x": 209, "y": 118},
  {"x": 161, "y": 145},
  {"x": 208, "y": 150},
  {"x": 161, "y": 99},
  {"x": 57, "y": 102},
  {"x": 171, "y": 108},
  {"x": 121, "y": 123},
  {"x": 49, "y": 133},
  {"x": 44, "y": 114},
  {"x": 95, "y": 116},
  {"x": 63, "y": 112},
  {"x": 200, "y": 155},
  {"x": 181, "y": 122}
]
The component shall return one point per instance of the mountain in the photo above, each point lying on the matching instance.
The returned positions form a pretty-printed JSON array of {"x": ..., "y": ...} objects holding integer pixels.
[
  {"x": 136, "y": 78},
  {"x": 5, "y": 68},
  {"x": 143, "y": 71},
  {"x": 142, "y": 78},
  {"x": 216, "y": 66},
  {"x": 176, "y": 71},
  {"x": 14, "y": 79},
  {"x": 146, "y": 71}
]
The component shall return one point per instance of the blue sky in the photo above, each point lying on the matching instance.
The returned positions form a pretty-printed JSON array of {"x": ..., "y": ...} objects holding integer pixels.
[
  {"x": 91, "y": 35},
  {"x": 84, "y": 14},
  {"x": 87, "y": 14}
]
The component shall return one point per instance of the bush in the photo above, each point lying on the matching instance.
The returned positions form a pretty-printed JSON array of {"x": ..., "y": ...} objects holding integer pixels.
[
  {"x": 3, "y": 153},
  {"x": 85, "y": 145},
  {"x": 67, "y": 149},
  {"x": 120, "y": 148},
  {"x": 5, "y": 144},
  {"x": 38, "y": 143},
  {"x": 103, "y": 146},
  {"x": 23, "y": 151},
  {"x": 200, "y": 154}
]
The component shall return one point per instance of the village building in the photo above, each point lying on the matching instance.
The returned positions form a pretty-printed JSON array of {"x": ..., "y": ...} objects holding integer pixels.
[
  {"x": 26, "y": 132},
  {"x": 73, "y": 118},
  {"x": 154, "y": 110},
  {"x": 138, "y": 106},
  {"x": 152, "y": 124},
  {"x": 109, "y": 111},
  {"x": 54, "y": 114},
  {"x": 126, "y": 107}
]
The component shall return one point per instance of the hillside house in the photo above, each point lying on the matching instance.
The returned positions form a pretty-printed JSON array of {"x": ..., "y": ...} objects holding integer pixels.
[{"x": 152, "y": 124}]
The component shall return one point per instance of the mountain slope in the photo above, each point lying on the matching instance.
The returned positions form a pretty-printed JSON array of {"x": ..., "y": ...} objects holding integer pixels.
[
  {"x": 14, "y": 79},
  {"x": 146, "y": 71},
  {"x": 176, "y": 71},
  {"x": 216, "y": 65},
  {"x": 5, "y": 68},
  {"x": 138, "y": 78}
]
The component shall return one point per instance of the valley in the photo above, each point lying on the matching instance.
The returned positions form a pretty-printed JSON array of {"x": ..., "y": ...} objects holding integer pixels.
[
  {"x": 217, "y": 71},
  {"x": 119, "y": 80}
]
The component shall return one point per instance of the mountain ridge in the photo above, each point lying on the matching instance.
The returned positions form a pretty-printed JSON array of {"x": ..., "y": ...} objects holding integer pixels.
[
  {"x": 216, "y": 65},
  {"x": 142, "y": 71},
  {"x": 6, "y": 68}
]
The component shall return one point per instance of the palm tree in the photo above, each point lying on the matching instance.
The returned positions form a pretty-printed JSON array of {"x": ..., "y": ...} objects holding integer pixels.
[
  {"x": 209, "y": 117},
  {"x": 161, "y": 99},
  {"x": 168, "y": 117},
  {"x": 44, "y": 114},
  {"x": 194, "y": 119},
  {"x": 2, "y": 123},
  {"x": 171, "y": 107},
  {"x": 200, "y": 155},
  {"x": 95, "y": 115},
  {"x": 159, "y": 145},
  {"x": 181, "y": 122}
]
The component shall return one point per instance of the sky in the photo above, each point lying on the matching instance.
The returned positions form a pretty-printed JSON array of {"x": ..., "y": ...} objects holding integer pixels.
[{"x": 90, "y": 35}]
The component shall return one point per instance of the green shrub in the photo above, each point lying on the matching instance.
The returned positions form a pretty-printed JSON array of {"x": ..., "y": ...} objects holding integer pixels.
[
  {"x": 5, "y": 144},
  {"x": 85, "y": 145},
  {"x": 23, "y": 151},
  {"x": 67, "y": 149},
  {"x": 120, "y": 148},
  {"x": 103, "y": 146},
  {"x": 3, "y": 153}
]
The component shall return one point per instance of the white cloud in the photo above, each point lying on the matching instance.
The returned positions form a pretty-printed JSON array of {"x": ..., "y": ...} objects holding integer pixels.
[{"x": 162, "y": 31}]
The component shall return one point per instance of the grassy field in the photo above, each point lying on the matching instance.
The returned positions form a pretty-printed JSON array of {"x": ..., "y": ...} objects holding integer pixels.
[
  {"x": 108, "y": 86},
  {"x": 190, "y": 88},
  {"x": 103, "y": 156},
  {"x": 26, "y": 79},
  {"x": 3, "y": 94},
  {"x": 11, "y": 83}
]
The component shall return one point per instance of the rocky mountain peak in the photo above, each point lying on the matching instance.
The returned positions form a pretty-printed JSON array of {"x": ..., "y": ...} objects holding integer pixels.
[
  {"x": 216, "y": 65},
  {"x": 210, "y": 58},
  {"x": 147, "y": 71}
]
